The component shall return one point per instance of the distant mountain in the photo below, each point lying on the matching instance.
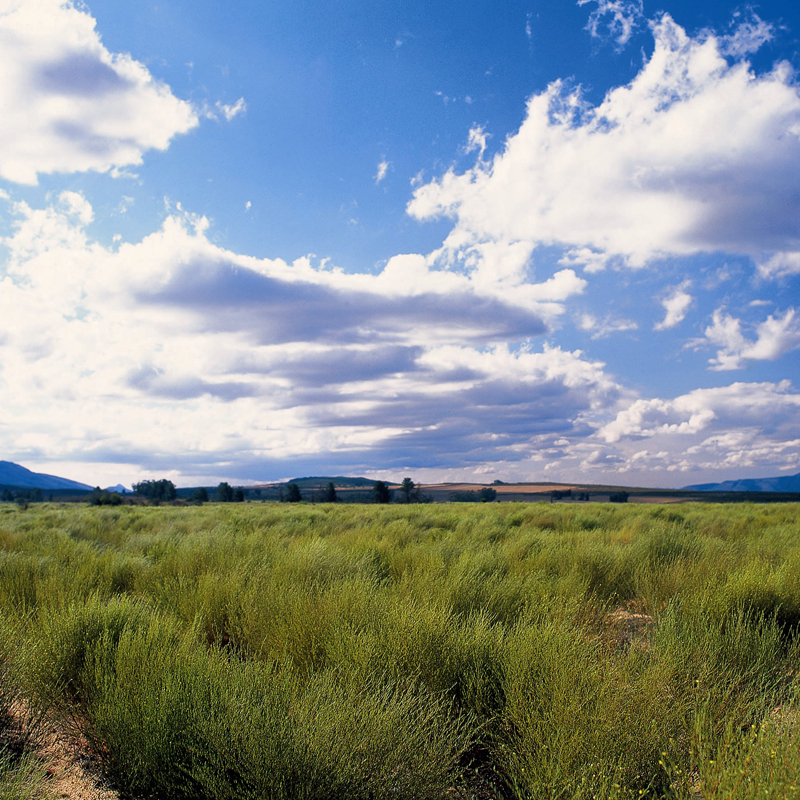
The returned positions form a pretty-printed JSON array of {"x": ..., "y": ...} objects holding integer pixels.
[
  {"x": 119, "y": 488},
  {"x": 786, "y": 483},
  {"x": 14, "y": 475}
]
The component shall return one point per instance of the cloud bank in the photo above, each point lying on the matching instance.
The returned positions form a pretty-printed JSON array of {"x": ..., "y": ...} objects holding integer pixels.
[{"x": 695, "y": 155}]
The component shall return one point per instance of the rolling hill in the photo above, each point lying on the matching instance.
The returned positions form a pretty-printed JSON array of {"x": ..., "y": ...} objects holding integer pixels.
[
  {"x": 14, "y": 475},
  {"x": 785, "y": 483}
]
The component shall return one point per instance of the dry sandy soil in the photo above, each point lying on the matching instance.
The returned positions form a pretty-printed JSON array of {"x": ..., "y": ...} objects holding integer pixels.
[{"x": 70, "y": 773}]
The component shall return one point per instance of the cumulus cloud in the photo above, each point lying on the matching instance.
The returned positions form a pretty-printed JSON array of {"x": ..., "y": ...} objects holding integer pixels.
[
  {"x": 774, "y": 338},
  {"x": 676, "y": 306},
  {"x": 72, "y": 105},
  {"x": 767, "y": 405},
  {"x": 780, "y": 265},
  {"x": 735, "y": 427},
  {"x": 694, "y": 155}
]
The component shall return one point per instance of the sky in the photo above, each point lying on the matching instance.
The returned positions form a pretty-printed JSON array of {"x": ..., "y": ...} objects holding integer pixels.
[{"x": 534, "y": 241}]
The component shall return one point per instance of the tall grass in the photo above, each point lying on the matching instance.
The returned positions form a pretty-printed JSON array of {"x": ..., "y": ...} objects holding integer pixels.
[{"x": 367, "y": 652}]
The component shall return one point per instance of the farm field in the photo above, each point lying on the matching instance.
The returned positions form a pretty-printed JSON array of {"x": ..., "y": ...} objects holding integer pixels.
[{"x": 514, "y": 650}]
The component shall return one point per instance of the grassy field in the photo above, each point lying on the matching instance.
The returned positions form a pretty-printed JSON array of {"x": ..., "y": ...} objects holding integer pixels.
[{"x": 510, "y": 651}]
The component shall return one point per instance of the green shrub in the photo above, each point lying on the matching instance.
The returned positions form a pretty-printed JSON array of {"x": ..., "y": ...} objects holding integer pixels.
[
  {"x": 21, "y": 778},
  {"x": 582, "y": 722}
]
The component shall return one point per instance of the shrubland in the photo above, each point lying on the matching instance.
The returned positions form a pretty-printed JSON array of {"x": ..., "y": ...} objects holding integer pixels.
[{"x": 480, "y": 650}]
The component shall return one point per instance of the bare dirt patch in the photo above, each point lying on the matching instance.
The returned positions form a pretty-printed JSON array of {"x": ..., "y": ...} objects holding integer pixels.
[
  {"x": 70, "y": 771},
  {"x": 630, "y": 628}
]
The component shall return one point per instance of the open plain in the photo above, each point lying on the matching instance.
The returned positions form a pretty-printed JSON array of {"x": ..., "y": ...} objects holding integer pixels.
[{"x": 502, "y": 650}]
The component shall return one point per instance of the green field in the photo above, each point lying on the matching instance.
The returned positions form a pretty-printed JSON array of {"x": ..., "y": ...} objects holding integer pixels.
[{"x": 496, "y": 650}]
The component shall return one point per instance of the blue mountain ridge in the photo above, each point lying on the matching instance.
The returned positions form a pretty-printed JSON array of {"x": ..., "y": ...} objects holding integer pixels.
[
  {"x": 785, "y": 483},
  {"x": 14, "y": 475}
]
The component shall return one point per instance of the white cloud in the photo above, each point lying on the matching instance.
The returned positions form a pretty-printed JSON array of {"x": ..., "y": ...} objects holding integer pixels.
[
  {"x": 600, "y": 328},
  {"x": 725, "y": 332},
  {"x": 174, "y": 356},
  {"x": 676, "y": 305},
  {"x": 780, "y": 265},
  {"x": 726, "y": 429},
  {"x": 768, "y": 405},
  {"x": 383, "y": 168},
  {"x": 251, "y": 360},
  {"x": 750, "y": 33},
  {"x": 590, "y": 260},
  {"x": 231, "y": 111},
  {"x": 222, "y": 110},
  {"x": 774, "y": 338},
  {"x": 72, "y": 105},
  {"x": 695, "y": 155},
  {"x": 477, "y": 140},
  {"x": 620, "y": 17}
]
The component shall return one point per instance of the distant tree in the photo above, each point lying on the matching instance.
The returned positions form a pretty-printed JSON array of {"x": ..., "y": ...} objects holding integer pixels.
[
  {"x": 407, "y": 488},
  {"x": 225, "y": 492},
  {"x": 7, "y": 496},
  {"x": 238, "y": 496},
  {"x": 100, "y": 498},
  {"x": 381, "y": 492},
  {"x": 37, "y": 496},
  {"x": 484, "y": 495},
  {"x": 155, "y": 490},
  {"x": 464, "y": 497},
  {"x": 293, "y": 493},
  {"x": 618, "y": 497},
  {"x": 200, "y": 495},
  {"x": 330, "y": 493}
]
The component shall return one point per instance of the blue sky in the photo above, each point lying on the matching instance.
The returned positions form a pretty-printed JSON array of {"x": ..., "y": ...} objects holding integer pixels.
[{"x": 552, "y": 241}]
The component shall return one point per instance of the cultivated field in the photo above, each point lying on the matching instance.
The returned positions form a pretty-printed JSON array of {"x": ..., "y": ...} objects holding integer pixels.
[{"x": 481, "y": 650}]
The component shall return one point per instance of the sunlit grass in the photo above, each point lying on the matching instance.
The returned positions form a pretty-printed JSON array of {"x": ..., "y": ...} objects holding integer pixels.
[{"x": 259, "y": 651}]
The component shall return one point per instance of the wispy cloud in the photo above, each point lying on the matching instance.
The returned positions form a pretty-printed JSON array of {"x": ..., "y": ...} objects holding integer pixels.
[
  {"x": 383, "y": 168},
  {"x": 614, "y": 19},
  {"x": 749, "y": 33},
  {"x": 233, "y": 110},
  {"x": 477, "y": 140},
  {"x": 600, "y": 328}
]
